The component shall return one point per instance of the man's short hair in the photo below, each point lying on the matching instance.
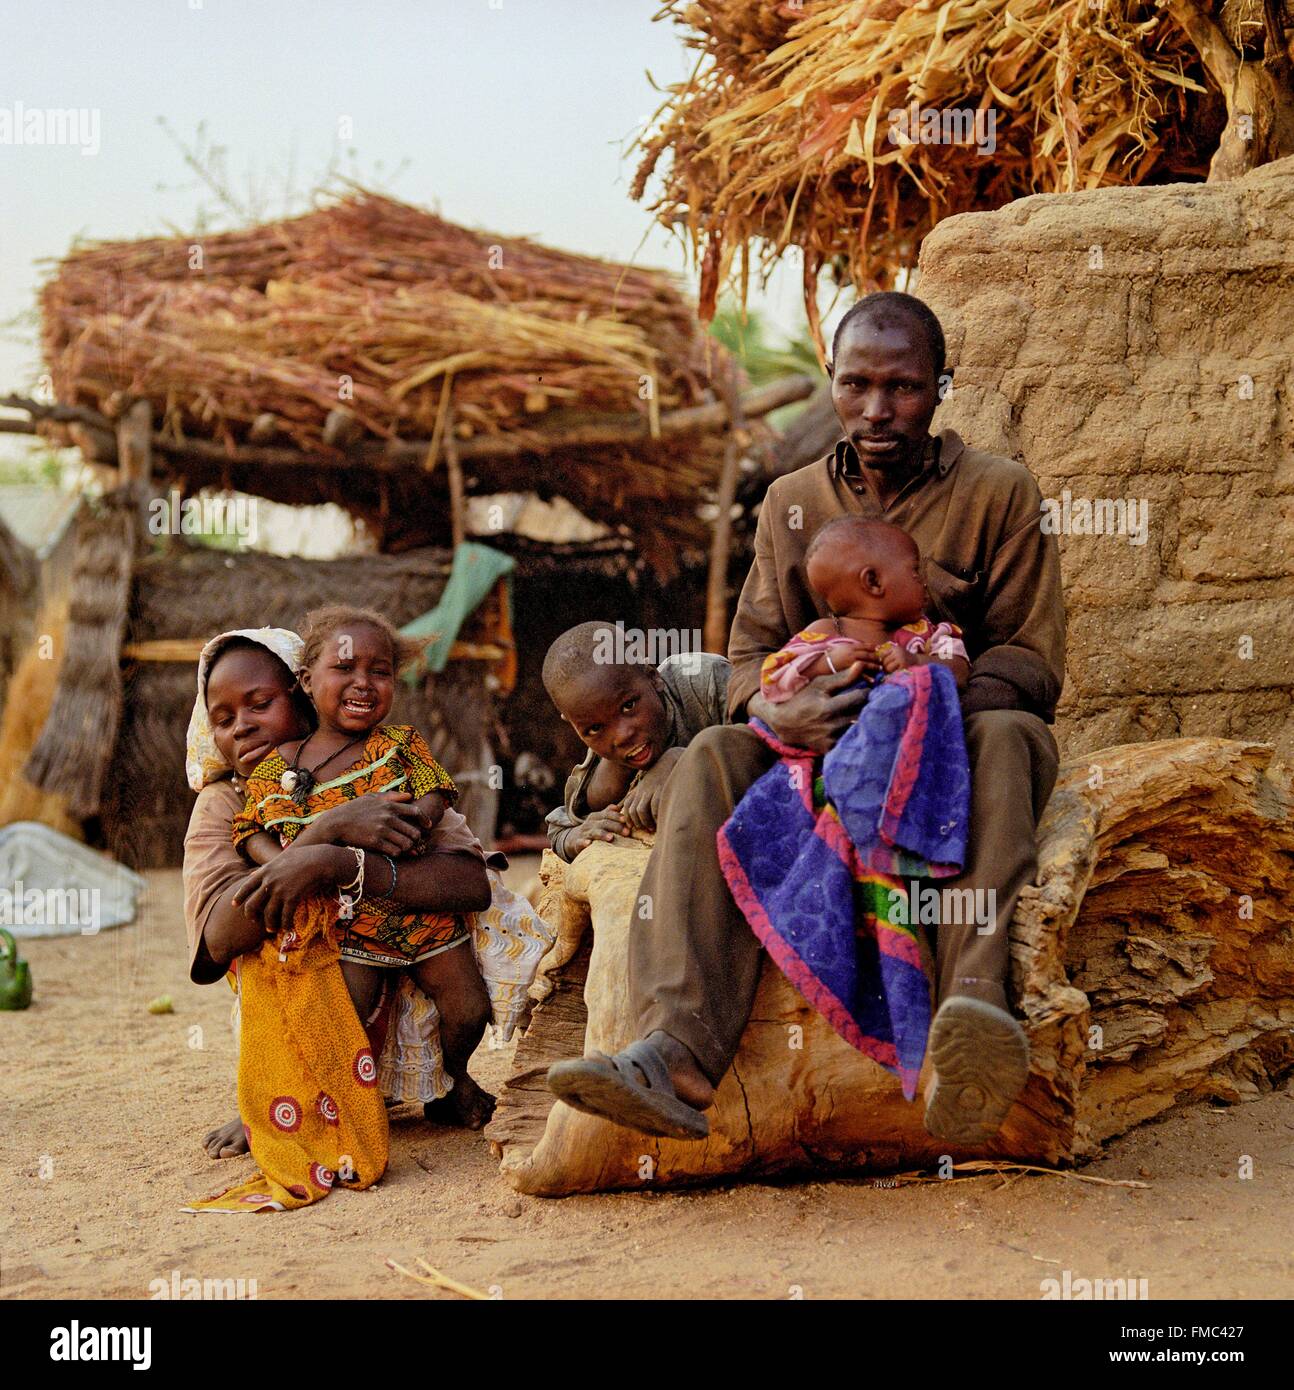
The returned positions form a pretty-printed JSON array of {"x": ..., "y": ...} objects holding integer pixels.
[{"x": 888, "y": 308}]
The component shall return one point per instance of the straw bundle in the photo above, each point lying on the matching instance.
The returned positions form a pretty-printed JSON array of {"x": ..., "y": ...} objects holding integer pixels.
[
  {"x": 31, "y": 694},
  {"x": 72, "y": 755},
  {"x": 782, "y": 137},
  {"x": 371, "y": 305}
]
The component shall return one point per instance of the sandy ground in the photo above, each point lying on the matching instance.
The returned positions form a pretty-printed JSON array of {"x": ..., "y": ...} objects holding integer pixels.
[{"x": 104, "y": 1106}]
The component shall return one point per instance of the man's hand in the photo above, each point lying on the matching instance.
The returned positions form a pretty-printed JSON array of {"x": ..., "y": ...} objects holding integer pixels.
[
  {"x": 640, "y": 804},
  {"x": 600, "y": 825},
  {"x": 815, "y": 717},
  {"x": 269, "y": 893},
  {"x": 386, "y": 823}
]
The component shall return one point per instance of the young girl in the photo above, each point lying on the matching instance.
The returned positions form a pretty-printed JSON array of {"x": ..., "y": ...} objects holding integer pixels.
[
  {"x": 348, "y": 672},
  {"x": 248, "y": 702},
  {"x": 307, "y": 1077}
]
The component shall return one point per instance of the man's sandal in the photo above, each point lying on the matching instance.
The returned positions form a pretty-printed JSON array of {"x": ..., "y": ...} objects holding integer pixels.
[
  {"x": 981, "y": 1062},
  {"x": 608, "y": 1087}
]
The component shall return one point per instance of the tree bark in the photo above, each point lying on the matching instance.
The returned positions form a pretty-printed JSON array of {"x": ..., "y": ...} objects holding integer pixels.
[{"x": 1259, "y": 95}]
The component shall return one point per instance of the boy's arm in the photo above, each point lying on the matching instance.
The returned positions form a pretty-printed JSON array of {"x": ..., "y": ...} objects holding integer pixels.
[
  {"x": 607, "y": 785},
  {"x": 641, "y": 805}
]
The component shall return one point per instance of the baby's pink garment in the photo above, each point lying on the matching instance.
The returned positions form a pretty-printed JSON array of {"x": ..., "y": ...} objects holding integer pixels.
[{"x": 782, "y": 674}]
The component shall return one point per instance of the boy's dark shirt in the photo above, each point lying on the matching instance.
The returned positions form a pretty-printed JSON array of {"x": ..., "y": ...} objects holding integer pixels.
[{"x": 987, "y": 564}]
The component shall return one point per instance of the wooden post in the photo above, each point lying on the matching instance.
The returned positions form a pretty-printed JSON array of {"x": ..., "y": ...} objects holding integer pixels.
[
  {"x": 135, "y": 463},
  {"x": 457, "y": 496},
  {"x": 716, "y": 593},
  {"x": 135, "y": 444}
]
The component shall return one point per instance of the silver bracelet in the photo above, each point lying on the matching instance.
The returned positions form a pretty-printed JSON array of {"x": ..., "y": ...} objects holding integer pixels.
[{"x": 345, "y": 903}]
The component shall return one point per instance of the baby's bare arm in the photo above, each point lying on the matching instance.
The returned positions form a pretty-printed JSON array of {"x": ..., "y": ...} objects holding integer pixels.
[
  {"x": 261, "y": 847},
  {"x": 433, "y": 806},
  {"x": 896, "y": 658}
]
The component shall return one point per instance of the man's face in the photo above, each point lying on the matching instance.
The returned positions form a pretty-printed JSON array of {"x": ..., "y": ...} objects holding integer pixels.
[
  {"x": 619, "y": 714},
  {"x": 885, "y": 391}
]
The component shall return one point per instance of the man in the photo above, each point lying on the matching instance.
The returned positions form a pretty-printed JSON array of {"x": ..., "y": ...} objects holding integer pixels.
[{"x": 694, "y": 963}]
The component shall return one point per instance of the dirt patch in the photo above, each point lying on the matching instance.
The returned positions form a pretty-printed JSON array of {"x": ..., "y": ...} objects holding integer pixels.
[{"x": 105, "y": 1105}]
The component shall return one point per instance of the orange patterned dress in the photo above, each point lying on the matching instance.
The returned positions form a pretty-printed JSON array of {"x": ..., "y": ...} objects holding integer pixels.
[{"x": 395, "y": 757}]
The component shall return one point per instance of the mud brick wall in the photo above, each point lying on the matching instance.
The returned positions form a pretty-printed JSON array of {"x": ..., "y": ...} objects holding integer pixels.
[{"x": 1140, "y": 343}]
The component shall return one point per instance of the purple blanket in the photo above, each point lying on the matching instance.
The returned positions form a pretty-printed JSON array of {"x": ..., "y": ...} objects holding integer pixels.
[{"x": 817, "y": 852}]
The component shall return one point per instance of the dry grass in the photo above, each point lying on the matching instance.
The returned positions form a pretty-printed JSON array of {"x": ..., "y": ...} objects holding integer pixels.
[
  {"x": 782, "y": 136},
  {"x": 31, "y": 695},
  {"x": 391, "y": 298},
  {"x": 72, "y": 756}
]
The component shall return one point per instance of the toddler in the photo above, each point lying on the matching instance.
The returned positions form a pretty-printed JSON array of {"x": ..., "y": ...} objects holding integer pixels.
[{"x": 868, "y": 573}]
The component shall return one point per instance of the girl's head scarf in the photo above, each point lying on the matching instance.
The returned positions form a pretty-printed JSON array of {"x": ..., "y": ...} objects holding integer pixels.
[{"x": 202, "y": 761}]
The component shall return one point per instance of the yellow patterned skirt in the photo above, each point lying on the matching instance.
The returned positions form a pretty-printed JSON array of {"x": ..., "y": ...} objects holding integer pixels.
[{"x": 307, "y": 1079}]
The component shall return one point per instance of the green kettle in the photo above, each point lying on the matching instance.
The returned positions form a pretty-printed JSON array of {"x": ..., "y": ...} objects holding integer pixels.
[{"x": 15, "y": 976}]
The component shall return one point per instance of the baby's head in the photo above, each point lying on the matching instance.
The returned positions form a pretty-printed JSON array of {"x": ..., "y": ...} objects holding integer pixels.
[
  {"x": 615, "y": 707},
  {"x": 867, "y": 569},
  {"x": 349, "y": 666},
  {"x": 253, "y": 703}
]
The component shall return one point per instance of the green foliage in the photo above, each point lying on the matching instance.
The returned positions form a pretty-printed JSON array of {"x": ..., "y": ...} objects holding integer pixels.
[
  {"x": 746, "y": 336},
  {"x": 39, "y": 466}
]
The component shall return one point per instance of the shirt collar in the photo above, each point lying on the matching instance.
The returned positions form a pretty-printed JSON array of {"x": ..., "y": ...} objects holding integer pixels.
[{"x": 946, "y": 447}]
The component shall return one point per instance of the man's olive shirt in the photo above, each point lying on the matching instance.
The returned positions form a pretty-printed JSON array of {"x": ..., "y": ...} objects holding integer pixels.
[{"x": 987, "y": 564}]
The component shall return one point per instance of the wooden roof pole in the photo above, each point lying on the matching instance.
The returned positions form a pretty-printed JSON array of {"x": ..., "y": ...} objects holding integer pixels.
[
  {"x": 395, "y": 455},
  {"x": 457, "y": 495},
  {"x": 135, "y": 463},
  {"x": 716, "y": 592}
]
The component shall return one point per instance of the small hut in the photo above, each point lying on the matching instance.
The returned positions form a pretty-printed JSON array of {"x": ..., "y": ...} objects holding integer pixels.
[{"x": 414, "y": 372}]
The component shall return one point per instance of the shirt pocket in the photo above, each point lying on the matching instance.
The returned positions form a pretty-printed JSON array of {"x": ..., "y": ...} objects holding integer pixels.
[{"x": 957, "y": 594}]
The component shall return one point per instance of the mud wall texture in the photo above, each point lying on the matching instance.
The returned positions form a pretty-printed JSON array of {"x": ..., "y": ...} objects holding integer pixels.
[{"x": 1139, "y": 344}]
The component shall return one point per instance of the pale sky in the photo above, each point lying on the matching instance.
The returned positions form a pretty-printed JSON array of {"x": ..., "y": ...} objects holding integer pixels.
[{"x": 513, "y": 115}]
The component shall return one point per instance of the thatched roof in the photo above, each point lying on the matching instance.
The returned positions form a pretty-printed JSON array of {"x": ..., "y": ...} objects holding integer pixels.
[
  {"x": 293, "y": 359},
  {"x": 782, "y": 135}
]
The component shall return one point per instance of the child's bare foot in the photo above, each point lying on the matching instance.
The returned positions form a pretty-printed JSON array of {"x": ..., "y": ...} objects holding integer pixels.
[
  {"x": 467, "y": 1106},
  {"x": 226, "y": 1142}
]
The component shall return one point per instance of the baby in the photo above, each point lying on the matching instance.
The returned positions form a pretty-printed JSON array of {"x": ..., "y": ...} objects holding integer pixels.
[
  {"x": 868, "y": 573},
  {"x": 348, "y": 672},
  {"x": 635, "y": 721}
]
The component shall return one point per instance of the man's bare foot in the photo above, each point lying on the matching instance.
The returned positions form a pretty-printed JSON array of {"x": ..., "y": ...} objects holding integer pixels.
[
  {"x": 467, "y": 1106},
  {"x": 690, "y": 1083},
  {"x": 229, "y": 1141}
]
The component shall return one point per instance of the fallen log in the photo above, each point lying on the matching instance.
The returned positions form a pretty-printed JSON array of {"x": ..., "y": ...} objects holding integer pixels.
[{"x": 1153, "y": 963}]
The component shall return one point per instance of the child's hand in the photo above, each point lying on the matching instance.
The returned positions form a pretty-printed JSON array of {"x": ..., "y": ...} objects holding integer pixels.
[
  {"x": 895, "y": 658},
  {"x": 386, "y": 823},
  {"x": 433, "y": 805},
  {"x": 600, "y": 825},
  {"x": 642, "y": 802}
]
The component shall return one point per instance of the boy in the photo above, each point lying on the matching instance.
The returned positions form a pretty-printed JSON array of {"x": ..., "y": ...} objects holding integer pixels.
[{"x": 635, "y": 721}]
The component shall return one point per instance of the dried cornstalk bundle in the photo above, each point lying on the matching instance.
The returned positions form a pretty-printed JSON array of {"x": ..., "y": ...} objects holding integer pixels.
[
  {"x": 376, "y": 305},
  {"x": 783, "y": 136}
]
